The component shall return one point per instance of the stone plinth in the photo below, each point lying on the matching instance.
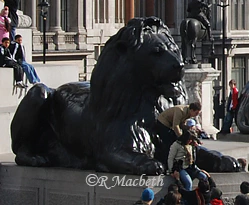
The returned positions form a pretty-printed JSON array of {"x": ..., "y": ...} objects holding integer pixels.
[
  {"x": 199, "y": 79},
  {"x": 46, "y": 186}
]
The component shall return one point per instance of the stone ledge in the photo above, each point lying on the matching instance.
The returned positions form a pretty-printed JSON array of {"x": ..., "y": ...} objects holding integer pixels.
[
  {"x": 235, "y": 136},
  {"x": 43, "y": 186}
]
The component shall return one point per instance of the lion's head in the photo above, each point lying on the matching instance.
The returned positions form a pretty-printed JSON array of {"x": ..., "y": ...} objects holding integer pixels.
[{"x": 142, "y": 56}]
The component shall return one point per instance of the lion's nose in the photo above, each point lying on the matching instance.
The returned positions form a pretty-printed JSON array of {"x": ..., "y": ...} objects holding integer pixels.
[{"x": 179, "y": 66}]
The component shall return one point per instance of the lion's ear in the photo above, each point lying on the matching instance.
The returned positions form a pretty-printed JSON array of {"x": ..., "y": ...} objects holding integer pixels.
[{"x": 121, "y": 47}]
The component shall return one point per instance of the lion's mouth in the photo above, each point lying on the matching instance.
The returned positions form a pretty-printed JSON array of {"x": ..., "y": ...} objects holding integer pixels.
[
  {"x": 173, "y": 88},
  {"x": 179, "y": 74},
  {"x": 170, "y": 84}
]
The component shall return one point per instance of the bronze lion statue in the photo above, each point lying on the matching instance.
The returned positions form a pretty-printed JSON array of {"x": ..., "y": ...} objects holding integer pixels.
[{"x": 107, "y": 124}]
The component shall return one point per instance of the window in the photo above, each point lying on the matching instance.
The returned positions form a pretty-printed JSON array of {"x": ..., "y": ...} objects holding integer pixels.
[
  {"x": 64, "y": 15},
  {"x": 119, "y": 11},
  {"x": 97, "y": 51},
  {"x": 101, "y": 11},
  {"x": 238, "y": 10},
  {"x": 160, "y": 9},
  {"x": 214, "y": 11},
  {"x": 140, "y": 8},
  {"x": 238, "y": 71}
]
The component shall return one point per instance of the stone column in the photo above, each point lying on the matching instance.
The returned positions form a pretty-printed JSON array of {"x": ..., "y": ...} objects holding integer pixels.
[
  {"x": 31, "y": 10},
  {"x": 81, "y": 35},
  {"x": 55, "y": 24},
  {"x": 170, "y": 20},
  {"x": 55, "y": 15},
  {"x": 150, "y": 8},
  {"x": 199, "y": 79},
  {"x": 33, "y": 14},
  {"x": 129, "y": 10},
  {"x": 178, "y": 15},
  {"x": 89, "y": 16},
  {"x": 76, "y": 22}
]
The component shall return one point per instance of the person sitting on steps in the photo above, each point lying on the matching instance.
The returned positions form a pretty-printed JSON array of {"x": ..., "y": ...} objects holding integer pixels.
[
  {"x": 7, "y": 61},
  {"x": 182, "y": 157},
  {"x": 18, "y": 52}
]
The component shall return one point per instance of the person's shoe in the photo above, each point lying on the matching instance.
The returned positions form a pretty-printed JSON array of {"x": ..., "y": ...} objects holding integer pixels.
[
  {"x": 25, "y": 85},
  {"x": 21, "y": 85}
]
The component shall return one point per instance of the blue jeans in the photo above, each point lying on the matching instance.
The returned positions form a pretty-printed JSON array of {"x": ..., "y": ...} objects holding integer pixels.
[
  {"x": 30, "y": 72},
  {"x": 12, "y": 33},
  {"x": 227, "y": 122},
  {"x": 187, "y": 175}
]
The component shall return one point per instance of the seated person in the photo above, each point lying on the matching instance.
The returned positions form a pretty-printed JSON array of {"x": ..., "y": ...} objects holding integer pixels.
[
  {"x": 182, "y": 158},
  {"x": 216, "y": 197},
  {"x": 200, "y": 195},
  {"x": 243, "y": 198},
  {"x": 18, "y": 52},
  {"x": 242, "y": 163},
  {"x": 172, "y": 196},
  {"x": 146, "y": 198},
  {"x": 191, "y": 124},
  {"x": 7, "y": 61},
  {"x": 201, "y": 133}
]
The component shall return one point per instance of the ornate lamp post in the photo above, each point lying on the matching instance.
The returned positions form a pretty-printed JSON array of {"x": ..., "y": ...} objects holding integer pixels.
[
  {"x": 224, "y": 36},
  {"x": 44, "y": 12}
]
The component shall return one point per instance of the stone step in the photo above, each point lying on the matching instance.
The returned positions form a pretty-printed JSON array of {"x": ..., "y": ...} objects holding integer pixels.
[
  {"x": 36, "y": 186},
  {"x": 234, "y": 136},
  {"x": 229, "y": 183},
  {"x": 236, "y": 149}
]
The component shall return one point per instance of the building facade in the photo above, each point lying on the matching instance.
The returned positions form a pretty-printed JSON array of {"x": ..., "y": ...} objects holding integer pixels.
[{"x": 78, "y": 30}]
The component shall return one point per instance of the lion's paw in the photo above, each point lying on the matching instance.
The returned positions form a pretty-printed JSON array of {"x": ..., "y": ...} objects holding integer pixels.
[
  {"x": 152, "y": 167},
  {"x": 40, "y": 161}
]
